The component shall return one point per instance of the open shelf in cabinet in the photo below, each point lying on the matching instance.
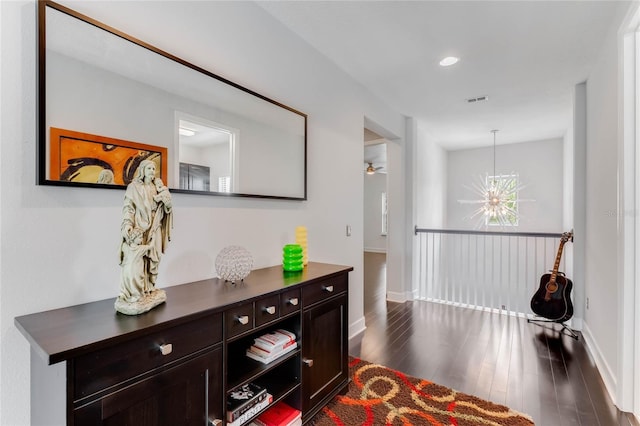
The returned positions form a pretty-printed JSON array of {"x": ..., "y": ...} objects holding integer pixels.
[
  {"x": 281, "y": 383},
  {"x": 242, "y": 369},
  {"x": 281, "y": 377},
  {"x": 279, "y": 380},
  {"x": 248, "y": 370}
]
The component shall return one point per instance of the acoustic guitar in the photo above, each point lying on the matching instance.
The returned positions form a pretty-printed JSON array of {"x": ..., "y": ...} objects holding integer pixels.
[{"x": 553, "y": 298}]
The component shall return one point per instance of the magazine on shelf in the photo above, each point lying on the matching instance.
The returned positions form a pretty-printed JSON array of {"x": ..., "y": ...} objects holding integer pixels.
[
  {"x": 272, "y": 349},
  {"x": 281, "y": 414},
  {"x": 266, "y": 359},
  {"x": 252, "y": 411},
  {"x": 243, "y": 398},
  {"x": 275, "y": 339},
  {"x": 259, "y": 350}
]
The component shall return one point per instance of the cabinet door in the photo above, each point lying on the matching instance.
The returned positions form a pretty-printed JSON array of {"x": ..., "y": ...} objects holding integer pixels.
[
  {"x": 325, "y": 368},
  {"x": 187, "y": 394}
]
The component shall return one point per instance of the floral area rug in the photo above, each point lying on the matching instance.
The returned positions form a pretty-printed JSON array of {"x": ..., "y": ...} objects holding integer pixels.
[{"x": 380, "y": 396}]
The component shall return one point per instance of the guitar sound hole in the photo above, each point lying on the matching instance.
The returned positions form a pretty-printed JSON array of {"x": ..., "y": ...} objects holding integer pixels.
[{"x": 552, "y": 287}]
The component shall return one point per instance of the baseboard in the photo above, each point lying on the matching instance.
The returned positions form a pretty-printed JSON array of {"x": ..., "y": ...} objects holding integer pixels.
[
  {"x": 577, "y": 324},
  {"x": 609, "y": 379},
  {"x": 393, "y": 296},
  {"x": 356, "y": 327},
  {"x": 375, "y": 250},
  {"x": 414, "y": 294}
]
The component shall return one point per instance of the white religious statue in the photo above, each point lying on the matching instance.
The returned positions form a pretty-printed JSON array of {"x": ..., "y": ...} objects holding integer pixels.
[{"x": 146, "y": 228}]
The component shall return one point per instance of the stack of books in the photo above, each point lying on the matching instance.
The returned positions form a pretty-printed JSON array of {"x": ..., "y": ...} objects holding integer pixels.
[
  {"x": 245, "y": 402},
  {"x": 280, "y": 414},
  {"x": 271, "y": 346}
]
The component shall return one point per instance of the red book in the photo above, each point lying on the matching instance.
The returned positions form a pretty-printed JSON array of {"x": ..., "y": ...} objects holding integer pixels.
[{"x": 280, "y": 414}]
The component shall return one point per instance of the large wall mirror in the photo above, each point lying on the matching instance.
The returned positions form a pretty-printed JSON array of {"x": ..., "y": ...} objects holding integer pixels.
[{"x": 108, "y": 101}]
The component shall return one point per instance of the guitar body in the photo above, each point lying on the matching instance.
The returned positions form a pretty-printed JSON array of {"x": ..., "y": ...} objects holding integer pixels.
[{"x": 558, "y": 307}]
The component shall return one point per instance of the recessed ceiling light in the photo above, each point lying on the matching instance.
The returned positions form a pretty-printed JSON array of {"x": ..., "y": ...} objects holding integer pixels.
[{"x": 448, "y": 61}]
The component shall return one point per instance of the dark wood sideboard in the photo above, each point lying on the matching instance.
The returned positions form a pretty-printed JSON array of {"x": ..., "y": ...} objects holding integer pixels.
[{"x": 176, "y": 364}]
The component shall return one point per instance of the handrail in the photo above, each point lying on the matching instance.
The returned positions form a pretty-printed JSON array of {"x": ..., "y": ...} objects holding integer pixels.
[
  {"x": 496, "y": 270},
  {"x": 498, "y": 233}
]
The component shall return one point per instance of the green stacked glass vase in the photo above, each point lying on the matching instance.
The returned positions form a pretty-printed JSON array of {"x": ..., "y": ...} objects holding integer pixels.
[{"x": 292, "y": 257}]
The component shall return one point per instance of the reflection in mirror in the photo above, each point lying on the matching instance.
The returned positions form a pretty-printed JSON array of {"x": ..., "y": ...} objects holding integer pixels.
[
  {"x": 133, "y": 101},
  {"x": 207, "y": 160}
]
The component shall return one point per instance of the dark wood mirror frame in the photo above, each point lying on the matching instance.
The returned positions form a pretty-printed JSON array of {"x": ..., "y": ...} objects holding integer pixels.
[{"x": 47, "y": 129}]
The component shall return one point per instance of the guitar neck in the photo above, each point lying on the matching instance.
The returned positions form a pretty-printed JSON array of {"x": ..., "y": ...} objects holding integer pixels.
[{"x": 556, "y": 265}]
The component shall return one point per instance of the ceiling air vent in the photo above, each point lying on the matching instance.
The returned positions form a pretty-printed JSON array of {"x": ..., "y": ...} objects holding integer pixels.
[{"x": 478, "y": 99}]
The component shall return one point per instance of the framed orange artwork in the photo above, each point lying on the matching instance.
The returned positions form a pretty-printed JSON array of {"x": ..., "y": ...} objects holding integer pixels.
[{"x": 86, "y": 158}]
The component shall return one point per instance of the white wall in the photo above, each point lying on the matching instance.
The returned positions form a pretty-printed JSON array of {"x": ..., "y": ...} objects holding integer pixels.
[
  {"x": 628, "y": 384},
  {"x": 58, "y": 245},
  {"x": 429, "y": 175},
  {"x": 539, "y": 166},
  {"x": 374, "y": 186},
  {"x": 601, "y": 279},
  {"x": 431, "y": 170},
  {"x": 397, "y": 198},
  {"x": 575, "y": 172}
]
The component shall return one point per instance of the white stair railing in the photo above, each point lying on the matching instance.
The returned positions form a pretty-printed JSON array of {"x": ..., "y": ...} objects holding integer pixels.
[{"x": 487, "y": 270}]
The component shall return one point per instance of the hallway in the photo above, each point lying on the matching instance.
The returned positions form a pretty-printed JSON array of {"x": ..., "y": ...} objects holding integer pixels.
[{"x": 529, "y": 368}]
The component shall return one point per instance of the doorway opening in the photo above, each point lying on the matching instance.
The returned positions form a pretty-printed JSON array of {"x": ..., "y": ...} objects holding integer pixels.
[
  {"x": 205, "y": 154},
  {"x": 375, "y": 221}
]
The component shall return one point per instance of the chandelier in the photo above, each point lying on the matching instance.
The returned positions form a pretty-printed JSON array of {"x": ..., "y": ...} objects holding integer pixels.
[{"x": 498, "y": 203}]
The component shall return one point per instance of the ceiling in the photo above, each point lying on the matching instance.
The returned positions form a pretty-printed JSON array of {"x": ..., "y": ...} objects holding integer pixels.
[
  {"x": 375, "y": 151},
  {"x": 203, "y": 136},
  {"x": 525, "y": 56},
  {"x": 376, "y": 154}
]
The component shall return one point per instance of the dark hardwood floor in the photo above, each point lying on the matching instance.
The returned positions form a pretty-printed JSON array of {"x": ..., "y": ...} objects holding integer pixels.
[{"x": 530, "y": 368}]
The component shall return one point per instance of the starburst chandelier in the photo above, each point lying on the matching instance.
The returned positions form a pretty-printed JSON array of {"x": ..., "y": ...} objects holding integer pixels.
[{"x": 498, "y": 203}]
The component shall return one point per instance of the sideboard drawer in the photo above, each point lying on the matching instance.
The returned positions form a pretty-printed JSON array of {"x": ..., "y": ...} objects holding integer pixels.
[
  {"x": 290, "y": 301},
  {"x": 239, "y": 319},
  {"x": 323, "y": 289},
  {"x": 267, "y": 309},
  {"x": 101, "y": 369}
]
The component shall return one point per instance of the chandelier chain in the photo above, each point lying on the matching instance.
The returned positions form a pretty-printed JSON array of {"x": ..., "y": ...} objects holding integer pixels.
[{"x": 494, "y": 153}]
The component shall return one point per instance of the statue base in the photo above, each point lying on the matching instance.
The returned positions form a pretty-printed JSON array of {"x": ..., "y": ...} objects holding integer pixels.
[{"x": 143, "y": 305}]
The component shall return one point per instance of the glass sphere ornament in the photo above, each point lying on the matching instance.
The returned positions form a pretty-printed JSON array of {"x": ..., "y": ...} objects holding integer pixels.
[{"x": 234, "y": 263}]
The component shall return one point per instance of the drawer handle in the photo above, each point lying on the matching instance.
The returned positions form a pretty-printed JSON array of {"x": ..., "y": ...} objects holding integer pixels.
[
  {"x": 166, "y": 349},
  {"x": 328, "y": 288},
  {"x": 293, "y": 301},
  {"x": 244, "y": 320},
  {"x": 270, "y": 309},
  {"x": 307, "y": 362}
]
